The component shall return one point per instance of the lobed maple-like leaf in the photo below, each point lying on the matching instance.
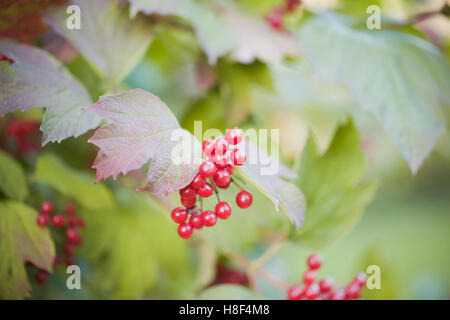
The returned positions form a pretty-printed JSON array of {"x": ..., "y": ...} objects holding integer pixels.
[
  {"x": 21, "y": 241},
  {"x": 143, "y": 128},
  {"x": 111, "y": 41},
  {"x": 36, "y": 79}
]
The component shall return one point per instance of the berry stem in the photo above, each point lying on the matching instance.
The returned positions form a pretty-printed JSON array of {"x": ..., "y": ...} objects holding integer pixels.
[
  {"x": 215, "y": 189},
  {"x": 237, "y": 184}
]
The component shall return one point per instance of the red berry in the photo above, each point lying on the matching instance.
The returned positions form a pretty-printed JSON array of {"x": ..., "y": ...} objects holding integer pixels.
[
  {"x": 73, "y": 236},
  {"x": 196, "y": 221},
  {"x": 185, "y": 230},
  {"x": 188, "y": 193},
  {"x": 208, "y": 147},
  {"x": 5, "y": 58},
  {"x": 207, "y": 169},
  {"x": 275, "y": 19},
  {"x": 41, "y": 277},
  {"x": 221, "y": 160},
  {"x": 188, "y": 203},
  {"x": 234, "y": 136},
  {"x": 338, "y": 295},
  {"x": 352, "y": 291},
  {"x": 223, "y": 210},
  {"x": 244, "y": 199},
  {"x": 42, "y": 220},
  {"x": 221, "y": 146},
  {"x": 205, "y": 191},
  {"x": 70, "y": 209},
  {"x": 292, "y": 4},
  {"x": 69, "y": 261},
  {"x": 222, "y": 178},
  {"x": 326, "y": 284},
  {"x": 360, "y": 279},
  {"x": 73, "y": 221},
  {"x": 69, "y": 249},
  {"x": 295, "y": 292},
  {"x": 309, "y": 276},
  {"x": 315, "y": 261},
  {"x": 198, "y": 182},
  {"x": 179, "y": 215},
  {"x": 58, "y": 220},
  {"x": 238, "y": 157},
  {"x": 46, "y": 207},
  {"x": 230, "y": 168},
  {"x": 209, "y": 218},
  {"x": 312, "y": 291}
]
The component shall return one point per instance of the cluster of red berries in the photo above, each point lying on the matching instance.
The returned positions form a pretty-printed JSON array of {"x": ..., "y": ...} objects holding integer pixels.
[
  {"x": 5, "y": 58},
  {"x": 22, "y": 137},
  {"x": 325, "y": 289},
  {"x": 70, "y": 222},
  {"x": 275, "y": 17},
  {"x": 218, "y": 167}
]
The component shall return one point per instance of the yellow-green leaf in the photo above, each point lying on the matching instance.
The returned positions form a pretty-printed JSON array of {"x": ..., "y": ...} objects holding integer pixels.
[{"x": 12, "y": 178}]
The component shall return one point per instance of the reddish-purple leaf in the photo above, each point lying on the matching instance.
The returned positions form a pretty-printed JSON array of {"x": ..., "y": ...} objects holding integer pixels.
[{"x": 143, "y": 128}]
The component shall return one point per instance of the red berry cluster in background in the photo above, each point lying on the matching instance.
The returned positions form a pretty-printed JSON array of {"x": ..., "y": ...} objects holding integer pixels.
[
  {"x": 5, "y": 58},
  {"x": 325, "y": 289},
  {"x": 21, "y": 137},
  {"x": 275, "y": 17},
  {"x": 69, "y": 222},
  {"x": 218, "y": 167}
]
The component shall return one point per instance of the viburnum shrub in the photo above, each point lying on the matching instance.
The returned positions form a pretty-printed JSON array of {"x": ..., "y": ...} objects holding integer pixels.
[
  {"x": 220, "y": 156},
  {"x": 312, "y": 288},
  {"x": 69, "y": 224}
]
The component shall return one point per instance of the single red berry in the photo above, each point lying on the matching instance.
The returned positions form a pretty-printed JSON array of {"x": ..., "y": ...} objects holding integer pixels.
[
  {"x": 198, "y": 182},
  {"x": 69, "y": 249},
  {"x": 315, "y": 261},
  {"x": 222, "y": 178},
  {"x": 41, "y": 277},
  {"x": 309, "y": 276},
  {"x": 196, "y": 221},
  {"x": 188, "y": 203},
  {"x": 223, "y": 210},
  {"x": 312, "y": 291},
  {"x": 42, "y": 220},
  {"x": 360, "y": 279},
  {"x": 205, "y": 191},
  {"x": 69, "y": 261},
  {"x": 207, "y": 169},
  {"x": 185, "y": 230},
  {"x": 221, "y": 146},
  {"x": 221, "y": 160},
  {"x": 244, "y": 199},
  {"x": 208, "y": 147},
  {"x": 179, "y": 215},
  {"x": 46, "y": 207},
  {"x": 295, "y": 292},
  {"x": 70, "y": 209},
  {"x": 73, "y": 221},
  {"x": 230, "y": 168},
  {"x": 58, "y": 220},
  {"x": 234, "y": 136},
  {"x": 73, "y": 236},
  {"x": 338, "y": 295},
  {"x": 275, "y": 19},
  {"x": 238, "y": 157},
  {"x": 326, "y": 284},
  {"x": 352, "y": 291},
  {"x": 188, "y": 193},
  {"x": 209, "y": 218}
]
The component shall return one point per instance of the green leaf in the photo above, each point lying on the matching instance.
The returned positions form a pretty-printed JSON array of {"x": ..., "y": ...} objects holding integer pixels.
[
  {"x": 71, "y": 183},
  {"x": 137, "y": 248},
  {"x": 333, "y": 187},
  {"x": 400, "y": 78},
  {"x": 21, "y": 240},
  {"x": 213, "y": 36},
  {"x": 226, "y": 292},
  {"x": 111, "y": 41},
  {"x": 12, "y": 178}
]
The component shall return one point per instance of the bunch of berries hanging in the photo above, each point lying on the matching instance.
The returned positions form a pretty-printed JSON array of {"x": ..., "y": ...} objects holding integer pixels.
[
  {"x": 70, "y": 222},
  {"x": 220, "y": 157},
  {"x": 325, "y": 289}
]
